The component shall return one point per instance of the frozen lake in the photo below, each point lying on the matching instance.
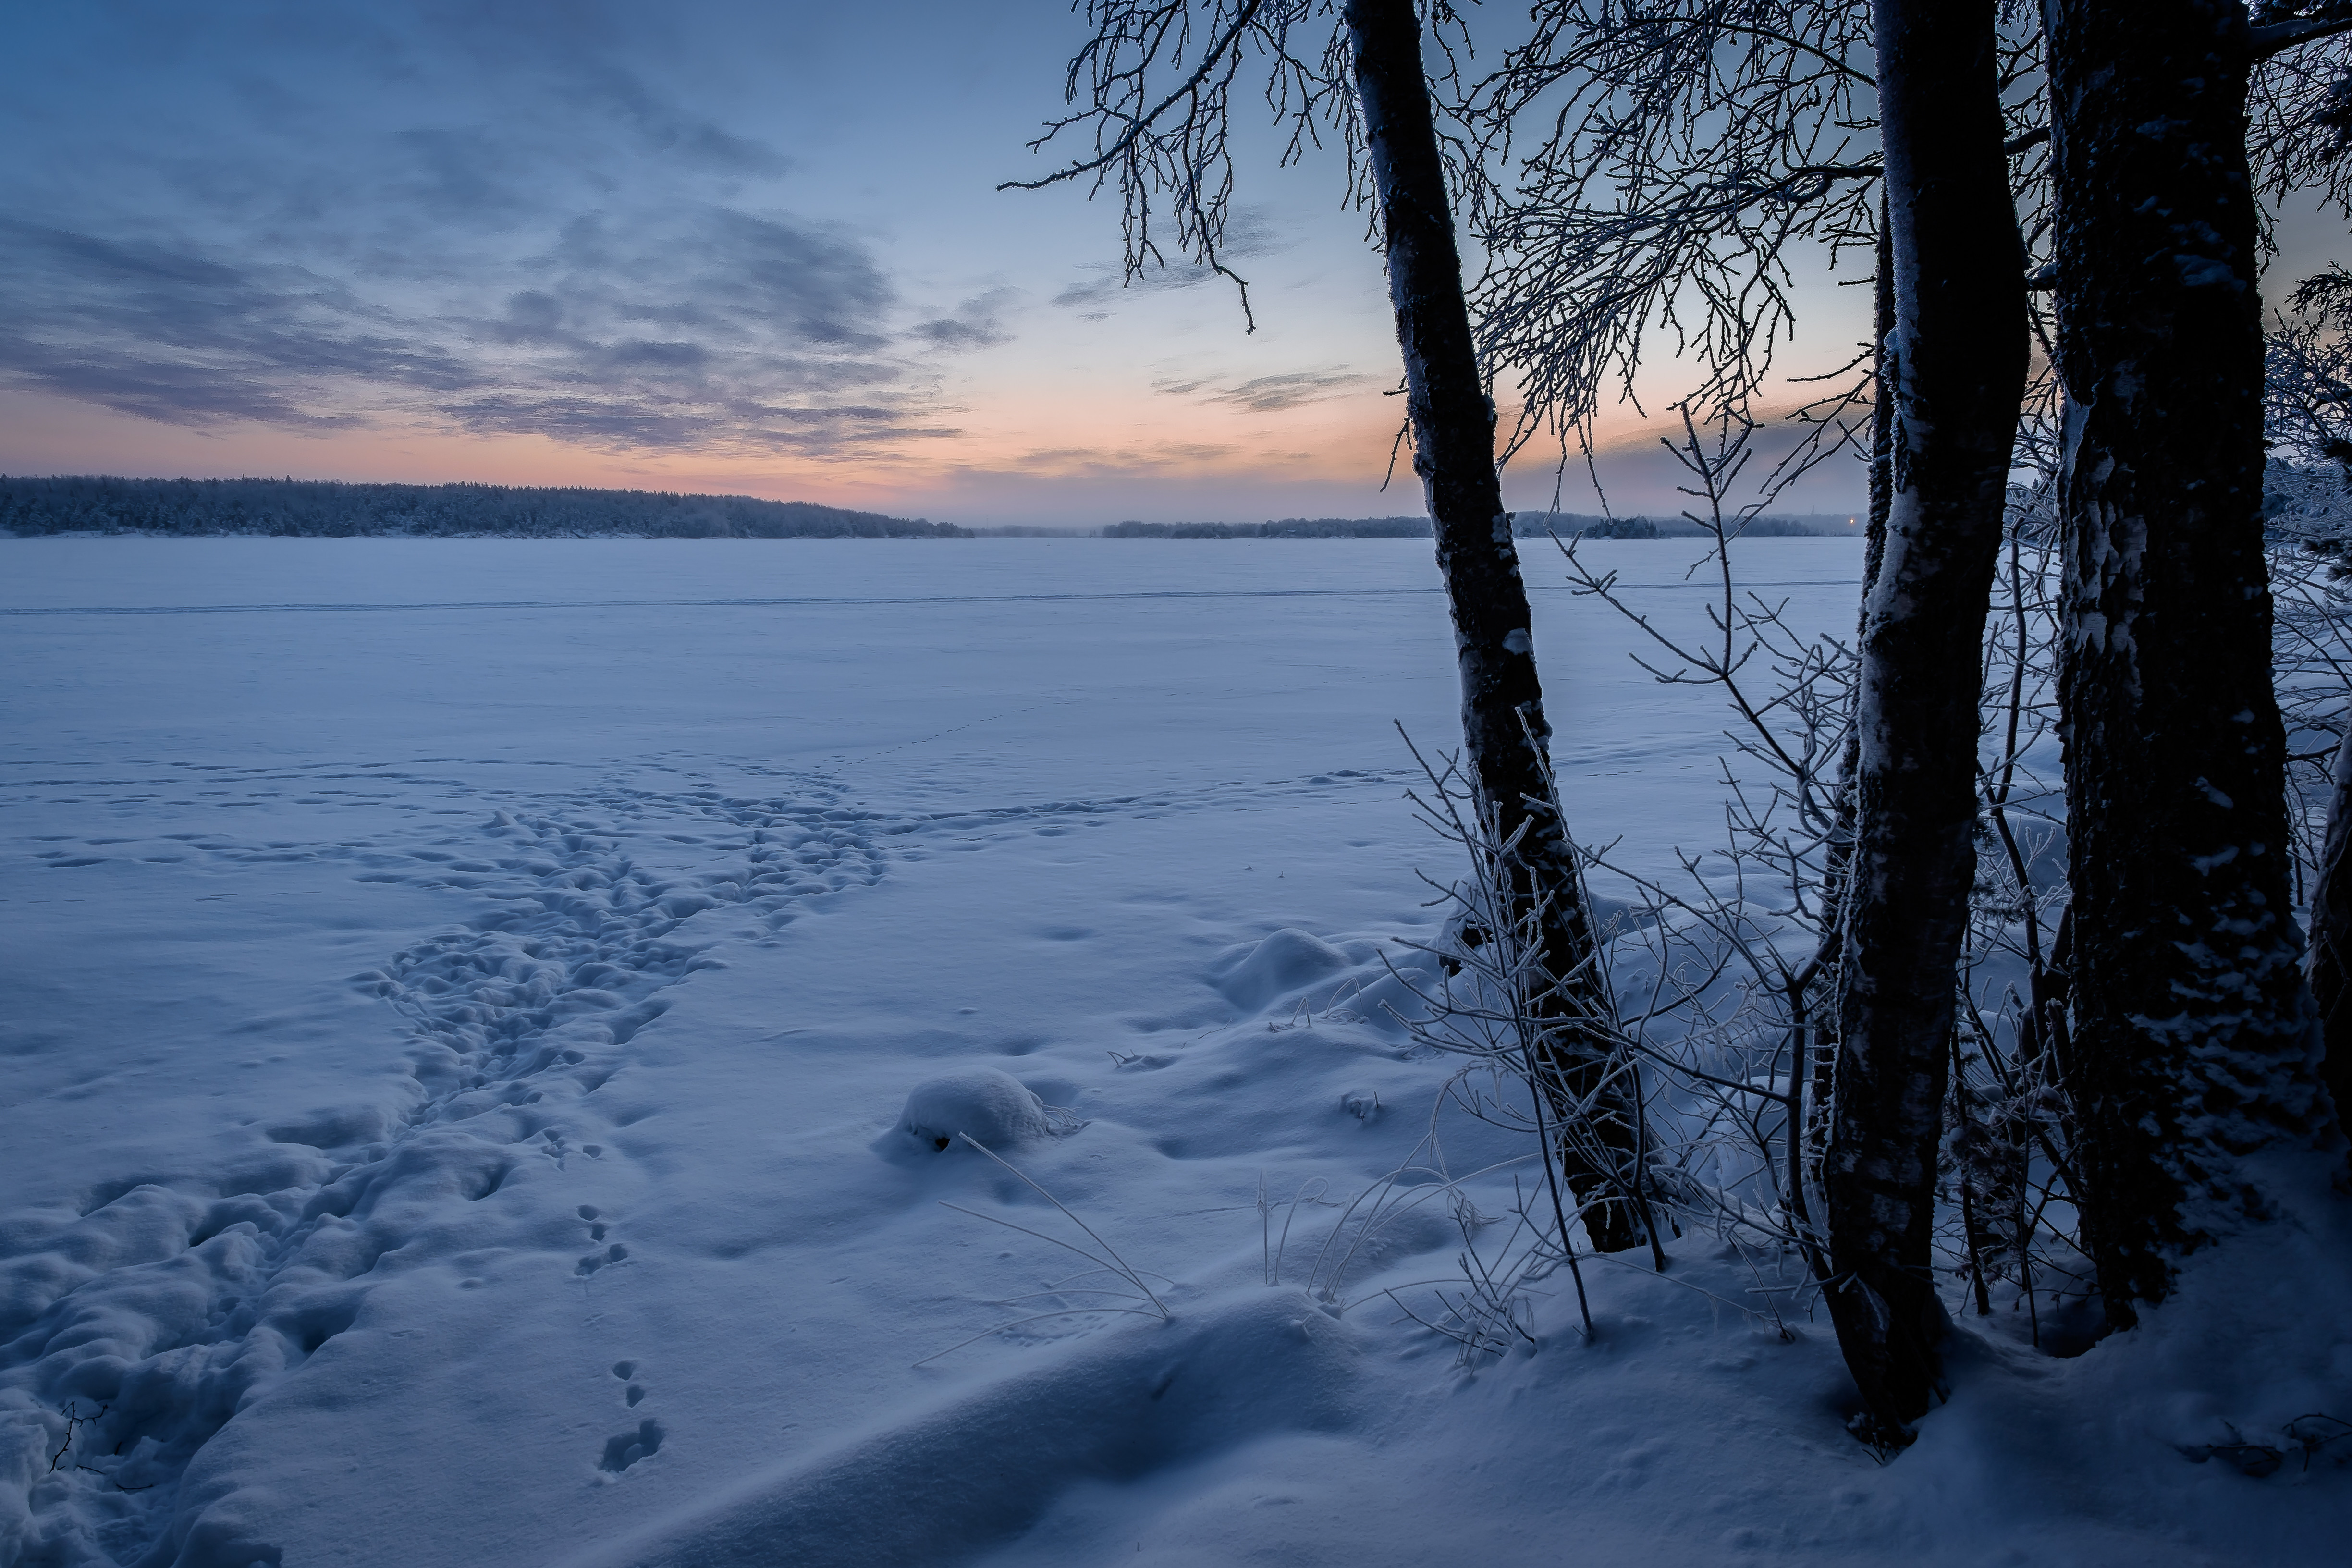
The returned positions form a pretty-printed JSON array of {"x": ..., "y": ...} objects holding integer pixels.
[{"x": 458, "y": 996}]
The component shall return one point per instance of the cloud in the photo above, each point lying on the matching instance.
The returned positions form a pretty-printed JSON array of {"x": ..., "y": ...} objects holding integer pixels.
[
  {"x": 1109, "y": 282},
  {"x": 575, "y": 47},
  {"x": 447, "y": 216},
  {"x": 950, "y": 333},
  {"x": 175, "y": 336},
  {"x": 1269, "y": 394},
  {"x": 1163, "y": 458},
  {"x": 669, "y": 131},
  {"x": 974, "y": 324},
  {"x": 461, "y": 175},
  {"x": 714, "y": 270},
  {"x": 1250, "y": 232},
  {"x": 688, "y": 328}
]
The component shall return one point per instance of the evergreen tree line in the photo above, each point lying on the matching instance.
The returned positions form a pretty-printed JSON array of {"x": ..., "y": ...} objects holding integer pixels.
[
  {"x": 327, "y": 510},
  {"x": 324, "y": 508}
]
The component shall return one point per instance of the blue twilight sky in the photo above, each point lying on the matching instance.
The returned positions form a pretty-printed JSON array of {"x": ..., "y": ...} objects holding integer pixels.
[{"x": 705, "y": 244}]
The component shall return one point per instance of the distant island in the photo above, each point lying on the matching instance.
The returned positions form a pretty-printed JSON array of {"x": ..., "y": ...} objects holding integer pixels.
[
  {"x": 1284, "y": 528},
  {"x": 326, "y": 509},
  {"x": 320, "y": 509}
]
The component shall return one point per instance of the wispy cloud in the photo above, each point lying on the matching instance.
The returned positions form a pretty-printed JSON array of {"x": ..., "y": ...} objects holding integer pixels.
[
  {"x": 167, "y": 334},
  {"x": 701, "y": 329},
  {"x": 1269, "y": 393},
  {"x": 1252, "y": 232},
  {"x": 1109, "y": 282},
  {"x": 977, "y": 323},
  {"x": 1156, "y": 460},
  {"x": 667, "y": 131}
]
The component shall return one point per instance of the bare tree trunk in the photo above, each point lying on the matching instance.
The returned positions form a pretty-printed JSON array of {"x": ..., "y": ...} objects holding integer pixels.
[
  {"x": 1957, "y": 363},
  {"x": 1838, "y": 863},
  {"x": 1882, "y": 408},
  {"x": 1874, "y": 551},
  {"x": 2194, "y": 1033},
  {"x": 1503, "y": 725},
  {"x": 2331, "y": 934}
]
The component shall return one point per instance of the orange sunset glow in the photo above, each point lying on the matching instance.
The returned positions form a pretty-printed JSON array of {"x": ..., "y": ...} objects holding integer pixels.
[{"x": 690, "y": 254}]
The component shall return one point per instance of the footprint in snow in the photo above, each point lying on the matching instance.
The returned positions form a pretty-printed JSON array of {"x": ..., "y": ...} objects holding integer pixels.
[
  {"x": 631, "y": 1390},
  {"x": 628, "y": 1448},
  {"x": 597, "y": 1231}
]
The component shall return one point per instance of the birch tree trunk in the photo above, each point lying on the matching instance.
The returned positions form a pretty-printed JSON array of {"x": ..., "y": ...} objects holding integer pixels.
[
  {"x": 1503, "y": 726},
  {"x": 2194, "y": 1031},
  {"x": 1955, "y": 378}
]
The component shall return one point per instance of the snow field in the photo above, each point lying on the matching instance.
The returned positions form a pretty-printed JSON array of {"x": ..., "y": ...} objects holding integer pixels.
[{"x": 591, "y": 953}]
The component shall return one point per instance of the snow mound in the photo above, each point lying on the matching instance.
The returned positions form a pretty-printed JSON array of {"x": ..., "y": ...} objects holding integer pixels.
[
  {"x": 1283, "y": 962},
  {"x": 1389, "y": 999},
  {"x": 990, "y": 1107},
  {"x": 971, "y": 1471}
]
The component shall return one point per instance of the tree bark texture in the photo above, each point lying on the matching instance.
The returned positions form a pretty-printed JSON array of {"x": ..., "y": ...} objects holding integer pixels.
[
  {"x": 1837, "y": 864},
  {"x": 1503, "y": 726},
  {"x": 2194, "y": 1033},
  {"x": 1955, "y": 380},
  {"x": 2331, "y": 934},
  {"x": 1873, "y": 549},
  {"x": 1882, "y": 408}
]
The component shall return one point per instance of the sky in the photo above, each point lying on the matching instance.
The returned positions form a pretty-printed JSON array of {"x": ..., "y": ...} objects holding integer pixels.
[{"x": 707, "y": 245}]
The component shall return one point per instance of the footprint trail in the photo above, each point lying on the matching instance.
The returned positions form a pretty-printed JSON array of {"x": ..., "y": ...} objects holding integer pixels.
[{"x": 130, "y": 1337}]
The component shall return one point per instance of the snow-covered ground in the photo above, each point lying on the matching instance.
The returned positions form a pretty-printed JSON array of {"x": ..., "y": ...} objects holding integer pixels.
[{"x": 459, "y": 1000}]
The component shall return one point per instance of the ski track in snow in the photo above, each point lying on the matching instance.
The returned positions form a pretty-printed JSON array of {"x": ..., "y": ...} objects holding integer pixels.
[{"x": 170, "y": 1305}]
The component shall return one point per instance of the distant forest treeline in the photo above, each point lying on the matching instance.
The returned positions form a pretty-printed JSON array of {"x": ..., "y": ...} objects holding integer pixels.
[
  {"x": 1525, "y": 524},
  {"x": 322, "y": 509},
  {"x": 1567, "y": 524},
  {"x": 1282, "y": 528}
]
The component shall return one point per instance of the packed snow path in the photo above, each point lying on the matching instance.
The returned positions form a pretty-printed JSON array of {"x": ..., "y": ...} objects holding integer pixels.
[{"x": 460, "y": 998}]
